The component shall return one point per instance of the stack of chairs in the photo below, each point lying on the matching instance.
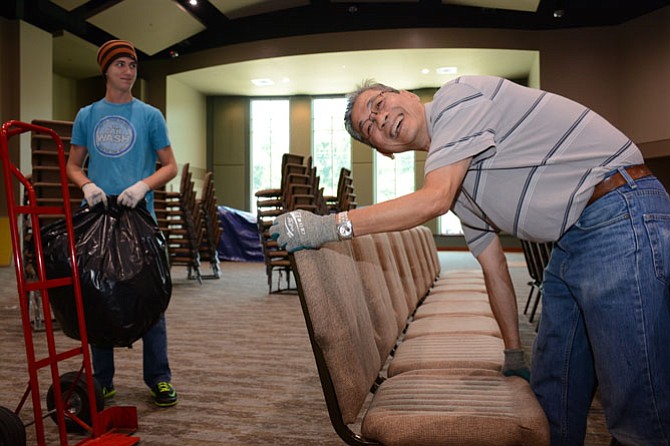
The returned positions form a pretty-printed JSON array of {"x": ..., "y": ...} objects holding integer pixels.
[
  {"x": 299, "y": 189},
  {"x": 178, "y": 218},
  {"x": 210, "y": 229},
  {"x": 345, "y": 199},
  {"x": 45, "y": 178}
]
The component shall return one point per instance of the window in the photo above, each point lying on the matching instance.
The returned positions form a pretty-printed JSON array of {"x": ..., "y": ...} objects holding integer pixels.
[
  {"x": 449, "y": 224},
  {"x": 269, "y": 141},
  {"x": 331, "y": 144},
  {"x": 393, "y": 177}
]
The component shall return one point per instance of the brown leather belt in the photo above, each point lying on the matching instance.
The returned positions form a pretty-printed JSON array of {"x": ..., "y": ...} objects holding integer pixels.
[{"x": 617, "y": 180}]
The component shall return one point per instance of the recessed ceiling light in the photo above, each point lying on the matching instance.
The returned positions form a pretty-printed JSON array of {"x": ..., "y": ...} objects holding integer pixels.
[
  {"x": 193, "y": 2},
  {"x": 446, "y": 70},
  {"x": 286, "y": 80},
  {"x": 425, "y": 71},
  {"x": 262, "y": 82}
]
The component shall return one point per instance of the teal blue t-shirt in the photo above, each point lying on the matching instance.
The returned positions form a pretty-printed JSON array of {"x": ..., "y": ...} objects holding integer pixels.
[{"x": 122, "y": 142}]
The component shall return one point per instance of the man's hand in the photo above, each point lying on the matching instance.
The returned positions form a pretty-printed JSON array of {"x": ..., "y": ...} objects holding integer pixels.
[
  {"x": 134, "y": 194},
  {"x": 515, "y": 364},
  {"x": 298, "y": 230},
  {"x": 93, "y": 194}
]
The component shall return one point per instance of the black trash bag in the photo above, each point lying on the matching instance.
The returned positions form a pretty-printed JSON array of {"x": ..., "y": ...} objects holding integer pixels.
[{"x": 123, "y": 271}]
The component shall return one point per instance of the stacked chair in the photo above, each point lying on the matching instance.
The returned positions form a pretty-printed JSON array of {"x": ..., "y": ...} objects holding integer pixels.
[
  {"x": 299, "y": 189},
  {"x": 346, "y": 198},
  {"x": 210, "y": 230},
  {"x": 190, "y": 225}
]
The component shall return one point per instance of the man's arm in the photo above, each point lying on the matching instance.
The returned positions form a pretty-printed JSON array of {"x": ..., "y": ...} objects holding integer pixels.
[
  {"x": 501, "y": 292},
  {"x": 503, "y": 304},
  {"x": 300, "y": 229},
  {"x": 74, "y": 166},
  {"x": 75, "y": 172},
  {"x": 432, "y": 200},
  {"x": 166, "y": 172}
]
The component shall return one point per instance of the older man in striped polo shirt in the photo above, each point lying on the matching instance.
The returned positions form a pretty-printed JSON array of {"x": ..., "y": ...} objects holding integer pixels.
[{"x": 507, "y": 158}]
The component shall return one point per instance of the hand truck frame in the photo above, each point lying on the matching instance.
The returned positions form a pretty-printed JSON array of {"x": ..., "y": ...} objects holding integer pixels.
[{"x": 72, "y": 392}]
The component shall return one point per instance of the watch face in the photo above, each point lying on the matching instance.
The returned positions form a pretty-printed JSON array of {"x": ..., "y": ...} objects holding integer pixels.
[{"x": 344, "y": 229}]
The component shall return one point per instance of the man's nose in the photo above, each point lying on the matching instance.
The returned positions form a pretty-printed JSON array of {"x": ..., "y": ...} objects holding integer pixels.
[{"x": 379, "y": 118}]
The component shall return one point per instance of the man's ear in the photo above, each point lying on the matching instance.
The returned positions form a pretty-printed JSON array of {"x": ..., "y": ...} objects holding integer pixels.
[{"x": 411, "y": 95}]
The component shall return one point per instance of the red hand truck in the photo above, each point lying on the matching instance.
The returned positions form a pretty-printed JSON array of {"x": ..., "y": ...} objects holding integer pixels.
[{"x": 74, "y": 399}]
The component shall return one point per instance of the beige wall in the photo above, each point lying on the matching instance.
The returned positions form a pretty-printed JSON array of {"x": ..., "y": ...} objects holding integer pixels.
[
  {"x": 644, "y": 74},
  {"x": 187, "y": 125},
  {"x": 26, "y": 58},
  {"x": 36, "y": 81},
  {"x": 65, "y": 104},
  {"x": 300, "y": 120},
  {"x": 229, "y": 133}
]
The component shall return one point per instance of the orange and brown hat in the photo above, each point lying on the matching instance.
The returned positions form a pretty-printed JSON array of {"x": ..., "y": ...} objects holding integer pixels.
[{"x": 113, "y": 49}]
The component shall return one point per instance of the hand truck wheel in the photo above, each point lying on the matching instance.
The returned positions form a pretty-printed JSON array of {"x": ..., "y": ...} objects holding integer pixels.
[
  {"x": 12, "y": 431},
  {"x": 78, "y": 402}
]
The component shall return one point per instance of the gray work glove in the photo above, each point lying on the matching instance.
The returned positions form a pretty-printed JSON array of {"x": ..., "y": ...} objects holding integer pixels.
[
  {"x": 298, "y": 230},
  {"x": 515, "y": 364},
  {"x": 93, "y": 194},
  {"x": 134, "y": 194}
]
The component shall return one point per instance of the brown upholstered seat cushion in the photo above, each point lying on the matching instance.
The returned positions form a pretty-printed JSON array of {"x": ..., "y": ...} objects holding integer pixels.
[
  {"x": 459, "y": 407},
  {"x": 448, "y": 352},
  {"x": 444, "y": 324},
  {"x": 453, "y": 307},
  {"x": 459, "y": 285}
]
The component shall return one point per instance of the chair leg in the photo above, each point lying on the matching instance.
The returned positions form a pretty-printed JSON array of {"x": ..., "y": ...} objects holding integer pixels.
[
  {"x": 537, "y": 302},
  {"x": 530, "y": 297}
]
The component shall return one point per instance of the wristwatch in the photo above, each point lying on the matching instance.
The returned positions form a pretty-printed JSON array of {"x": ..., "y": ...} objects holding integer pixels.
[{"x": 344, "y": 229}]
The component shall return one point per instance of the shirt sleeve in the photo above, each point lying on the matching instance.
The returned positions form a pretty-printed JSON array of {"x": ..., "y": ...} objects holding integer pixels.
[
  {"x": 158, "y": 130},
  {"x": 78, "y": 129},
  {"x": 477, "y": 231},
  {"x": 462, "y": 123}
]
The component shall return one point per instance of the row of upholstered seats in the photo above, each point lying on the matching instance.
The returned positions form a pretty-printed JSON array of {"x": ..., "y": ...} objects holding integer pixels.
[{"x": 382, "y": 319}]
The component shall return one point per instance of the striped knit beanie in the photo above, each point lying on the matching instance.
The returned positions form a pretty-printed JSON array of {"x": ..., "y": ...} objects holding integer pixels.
[{"x": 112, "y": 50}]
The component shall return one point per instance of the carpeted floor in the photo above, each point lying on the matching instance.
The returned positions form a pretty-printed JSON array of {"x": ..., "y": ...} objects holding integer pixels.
[{"x": 241, "y": 362}]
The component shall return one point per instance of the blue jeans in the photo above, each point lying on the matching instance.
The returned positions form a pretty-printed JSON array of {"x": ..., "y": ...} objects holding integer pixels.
[
  {"x": 606, "y": 319},
  {"x": 154, "y": 358}
]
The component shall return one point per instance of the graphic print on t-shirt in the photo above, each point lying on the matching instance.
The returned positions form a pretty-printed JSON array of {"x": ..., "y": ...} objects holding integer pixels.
[{"x": 114, "y": 136}]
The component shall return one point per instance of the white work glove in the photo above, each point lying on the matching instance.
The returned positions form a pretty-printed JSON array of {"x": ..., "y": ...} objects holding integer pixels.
[
  {"x": 93, "y": 194},
  {"x": 134, "y": 194},
  {"x": 298, "y": 230}
]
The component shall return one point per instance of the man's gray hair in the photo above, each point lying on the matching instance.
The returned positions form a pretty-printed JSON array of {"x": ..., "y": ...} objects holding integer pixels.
[{"x": 368, "y": 84}]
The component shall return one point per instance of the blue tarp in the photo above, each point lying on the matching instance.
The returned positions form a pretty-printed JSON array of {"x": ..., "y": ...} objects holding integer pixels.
[{"x": 239, "y": 241}]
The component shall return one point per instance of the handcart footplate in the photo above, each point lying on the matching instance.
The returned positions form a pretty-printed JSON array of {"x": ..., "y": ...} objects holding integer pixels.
[
  {"x": 118, "y": 418},
  {"x": 113, "y": 439}
]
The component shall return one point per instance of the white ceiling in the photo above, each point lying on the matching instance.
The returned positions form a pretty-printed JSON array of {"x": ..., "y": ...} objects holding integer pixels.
[
  {"x": 154, "y": 25},
  {"x": 337, "y": 73},
  {"x": 327, "y": 73}
]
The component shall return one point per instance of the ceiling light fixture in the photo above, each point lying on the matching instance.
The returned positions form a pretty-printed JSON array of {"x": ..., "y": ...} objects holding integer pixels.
[
  {"x": 446, "y": 70},
  {"x": 193, "y": 2},
  {"x": 262, "y": 82},
  {"x": 425, "y": 71}
]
